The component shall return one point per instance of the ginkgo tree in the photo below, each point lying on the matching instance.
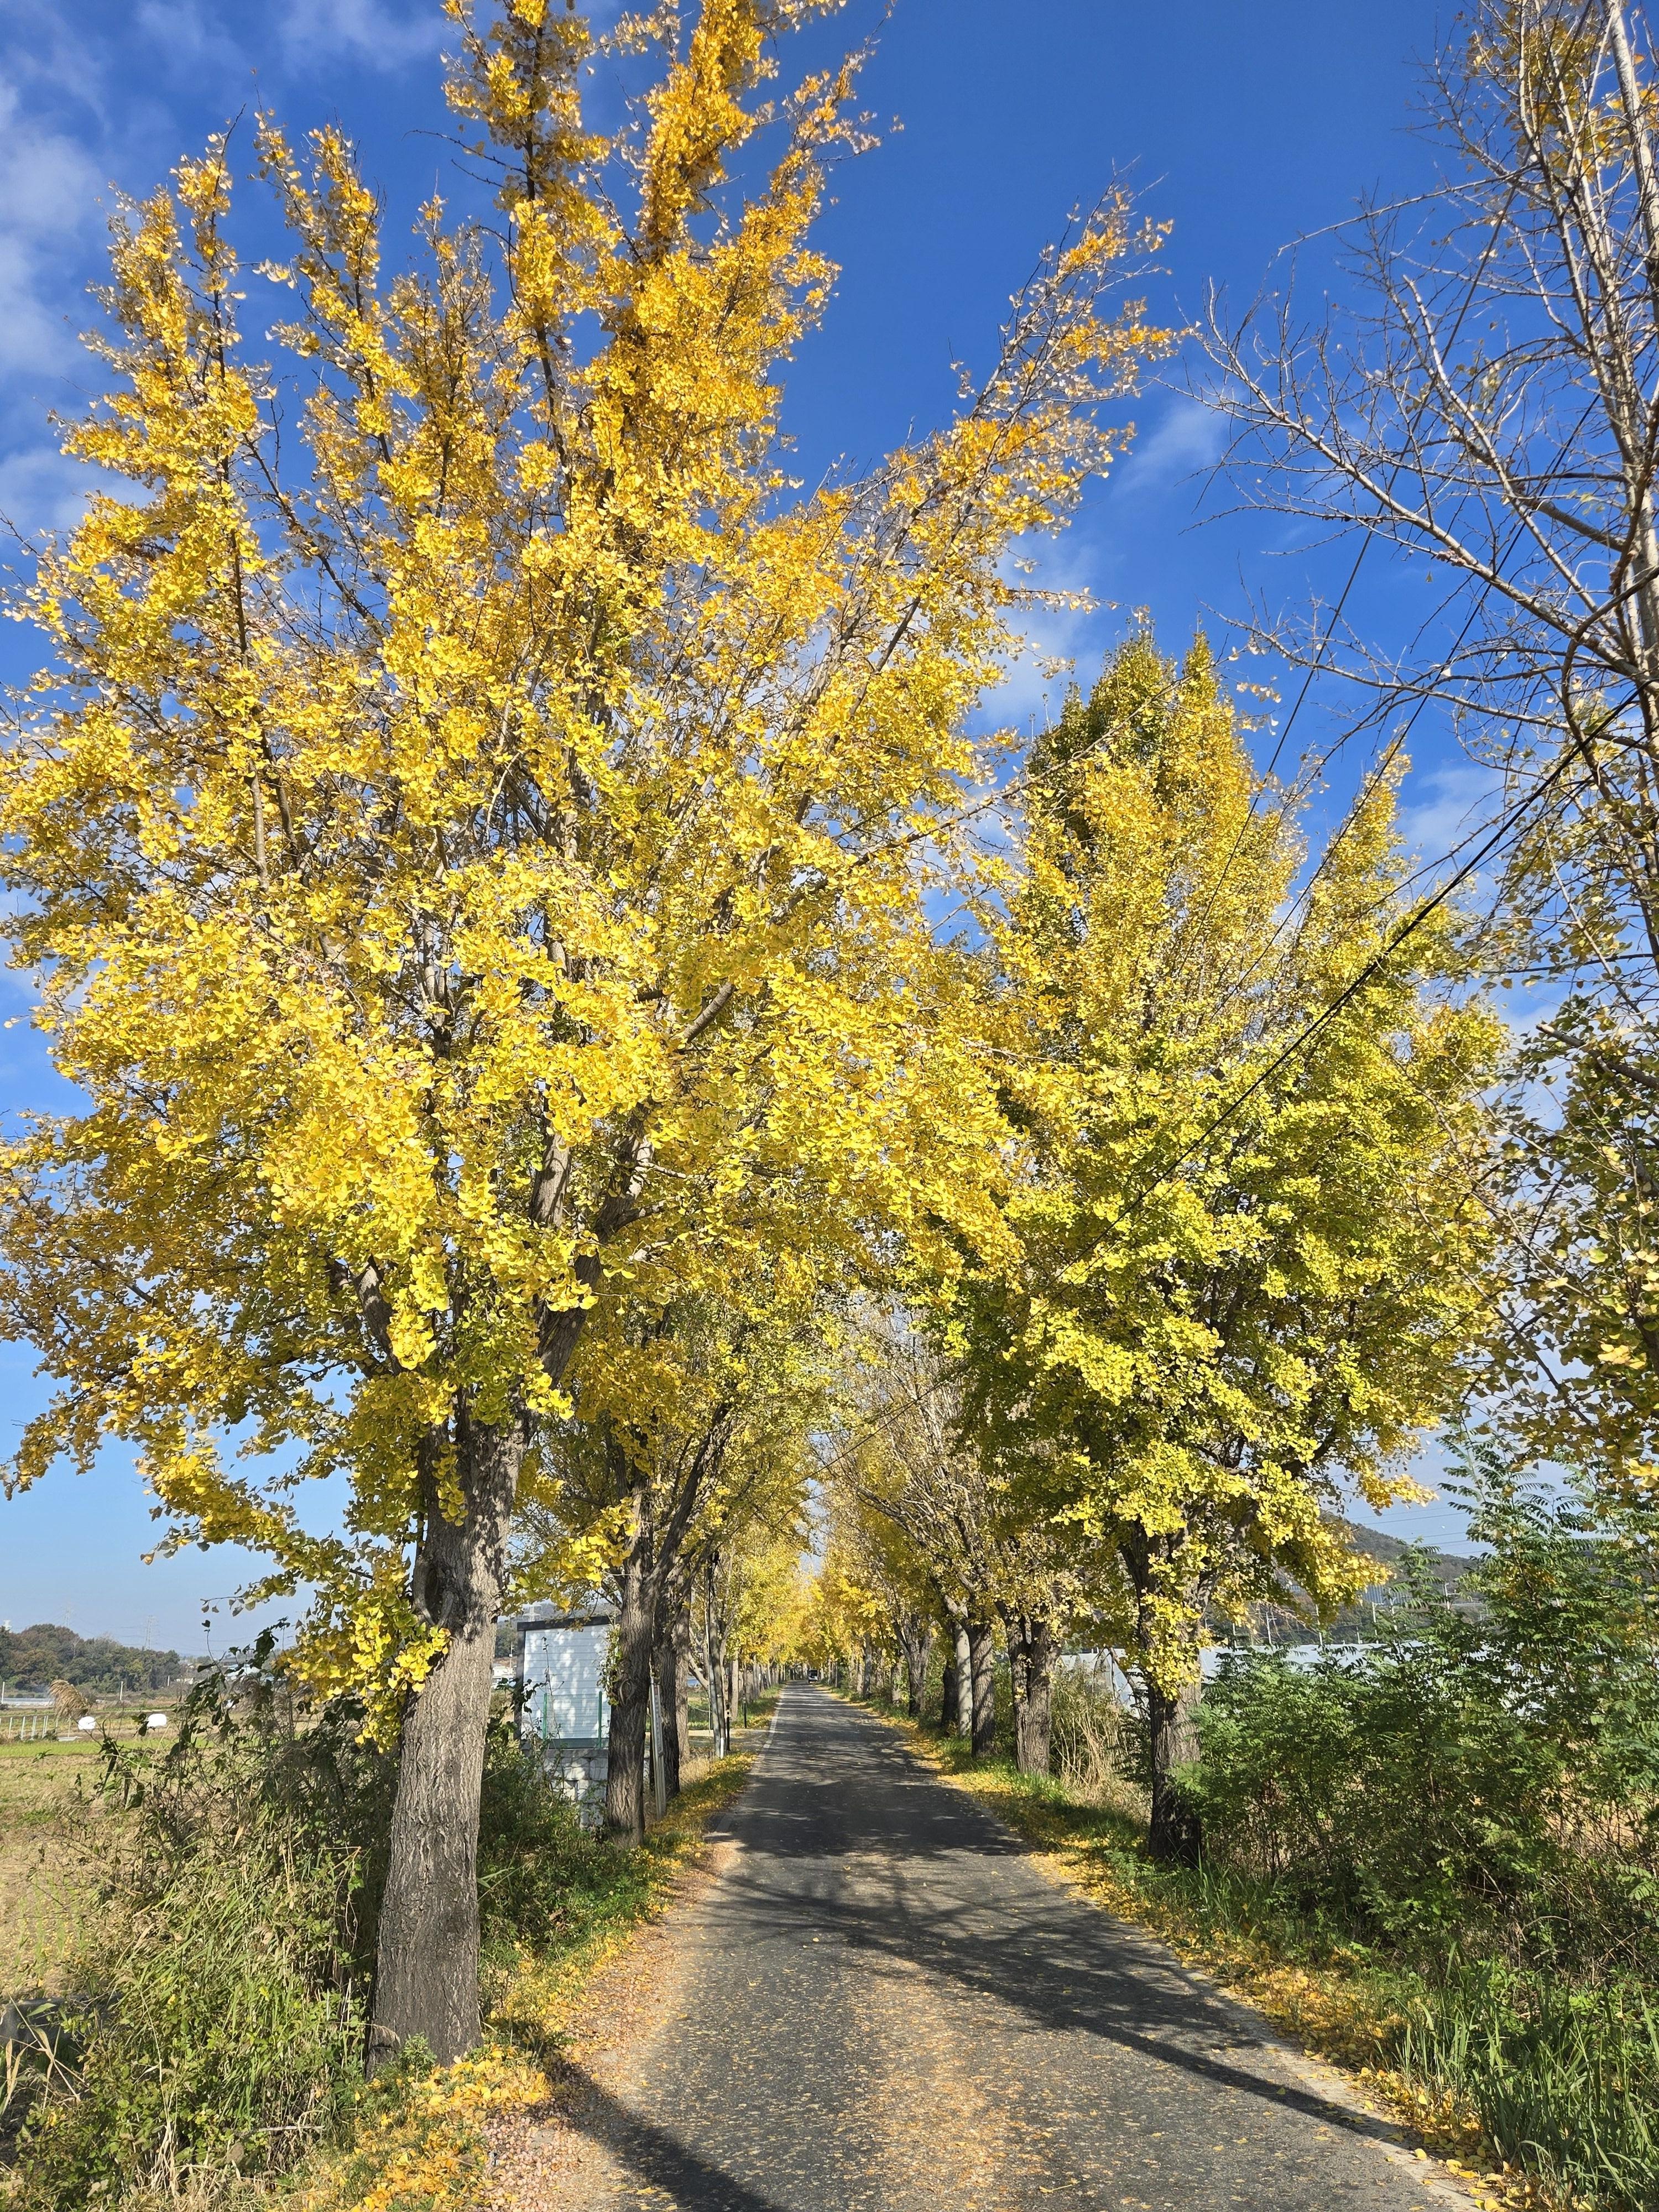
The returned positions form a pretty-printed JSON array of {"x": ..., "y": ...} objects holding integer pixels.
[
  {"x": 946, "y": 1527},
  {"x": 1243, "y": 1174},
  {"x": 473, "y": 821},
  {"x": 688, "y": 1434}
]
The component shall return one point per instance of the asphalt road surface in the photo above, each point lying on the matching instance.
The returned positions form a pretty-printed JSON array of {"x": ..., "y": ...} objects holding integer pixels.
[{"x": 881, "y": 2006}]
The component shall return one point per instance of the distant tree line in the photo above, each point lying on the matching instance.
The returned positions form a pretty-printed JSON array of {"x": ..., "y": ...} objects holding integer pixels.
[{"x": 32, "y": 1659}]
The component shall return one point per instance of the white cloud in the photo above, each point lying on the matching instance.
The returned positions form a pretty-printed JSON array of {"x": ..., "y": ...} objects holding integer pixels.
[
  {"x": 366, "y": 30},
  {"x": 1444, "y": 811},
  {"x": 1187, "y": 439},
  {"x": 48, "y": 197},
  {"x": 47, "y": 44},
  {"x": 185, "y": 31},
  {"x": 1033, "y": 686},
  {"x": 42, "y": 489}
]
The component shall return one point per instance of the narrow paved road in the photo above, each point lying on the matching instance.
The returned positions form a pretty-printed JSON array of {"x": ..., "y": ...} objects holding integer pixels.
[{"x": 881, "y": 2006}]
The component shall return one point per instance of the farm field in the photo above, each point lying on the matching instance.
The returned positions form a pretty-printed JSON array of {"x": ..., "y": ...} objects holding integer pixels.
[{"x": 41, "y": 1785}]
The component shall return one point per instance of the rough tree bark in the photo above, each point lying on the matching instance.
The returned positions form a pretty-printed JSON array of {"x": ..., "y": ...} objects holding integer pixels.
[
  {"x": 662, "y": 1671},
  {"x": 631, "y": 1645},
  {"x": 673, "y": 1688},
  {"x": 947, "y": 1704},
  {"x": 426, "y": 1976},
  {"x": 1173, "y": 1835},
  {"x": 964, "y": 1674},
  {"x": 426, "y": 1963},
  {"x": 981, "y": 1670},
  {"x": 1031, "y": 1663},
  {"x": 713, "y": 1667},
  {"x": 916, "y": 1642}
]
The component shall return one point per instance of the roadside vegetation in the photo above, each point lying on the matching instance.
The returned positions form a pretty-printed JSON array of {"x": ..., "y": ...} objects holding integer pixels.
[{"x": 206, "y": 2042}]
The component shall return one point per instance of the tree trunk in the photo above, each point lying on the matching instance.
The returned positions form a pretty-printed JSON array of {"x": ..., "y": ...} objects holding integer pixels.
[
  {"x": 426, "y": 1969},
  {"x": 965, "y": 1681},
  {"x": 1031, "y": 1659},
  {"x": 734, "y": 1701},
  {"x": 947, "y": 1702},
  {"x": 663, "y": 1670},
  {"x": 917, "y": 1637},
  {"x": 677, "y": 1718},
  {"x": 981, "y": 1670},
  {"x": 1173, "y": 1833},
  {"x": 714, "y": 1673},
  {"x": 630, "y": 1690}
]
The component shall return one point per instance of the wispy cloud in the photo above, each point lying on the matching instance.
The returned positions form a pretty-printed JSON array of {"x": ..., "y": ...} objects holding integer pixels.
[
  {"x": 189, "y": 33},
  {"x": 1054, "y": 638},
  {"x": 1445, "y": 808},
  {"x": 366, "y": 31},
  {"x": 43, "y": 489},
  {"x": 1185, "y": 441},
  {"x": 297, "y": 36},
  {"x": 49, "y": 189}
]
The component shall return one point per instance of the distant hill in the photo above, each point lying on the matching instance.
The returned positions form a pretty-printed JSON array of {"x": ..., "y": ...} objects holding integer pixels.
[
  {"x": 32, "y": 1659},
  {"x": 1377, "y": 1544}
]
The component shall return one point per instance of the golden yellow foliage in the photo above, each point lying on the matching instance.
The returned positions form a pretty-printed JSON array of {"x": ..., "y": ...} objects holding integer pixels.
[
  {"x": 1242, "y": 1176},
  {"x": 474, "y": 824}
]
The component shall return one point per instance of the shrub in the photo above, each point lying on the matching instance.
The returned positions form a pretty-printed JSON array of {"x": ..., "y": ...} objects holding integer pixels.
[
  {"x": 227, "y": 1975},
  {"x": 1487, "y": 1777},
  {"x": 224, "y": 1973},
  {"x": 540, "y": 1873},
  {"x": 225, "y": 1970},
  {"x": 1474, "y": 1803}
]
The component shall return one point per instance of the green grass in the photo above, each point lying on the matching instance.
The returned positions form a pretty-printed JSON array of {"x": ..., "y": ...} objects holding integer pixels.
[{"x": 41, "y": 1900}]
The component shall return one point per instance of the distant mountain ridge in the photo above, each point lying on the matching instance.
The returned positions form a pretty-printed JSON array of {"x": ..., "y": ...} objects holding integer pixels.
[
  {"x": 1377, "y": 1544},
  {"x": 32, "y": 1659}
]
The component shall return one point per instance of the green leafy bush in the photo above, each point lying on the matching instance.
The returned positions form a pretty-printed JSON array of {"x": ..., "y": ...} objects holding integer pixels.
[
  {"x": 226, "y": 1974},
  {"x": 1473, "y": 1804},
  {"x": 1486, "y": 1775},
  {"x": 541, "y": 1876},
  {"x": 224, "y": 1970}
]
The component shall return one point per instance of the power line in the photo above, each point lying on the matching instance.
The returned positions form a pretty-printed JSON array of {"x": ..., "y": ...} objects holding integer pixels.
[
  {"x": 1351, "y": 990},
  {"x": 1329, "y": 630}
]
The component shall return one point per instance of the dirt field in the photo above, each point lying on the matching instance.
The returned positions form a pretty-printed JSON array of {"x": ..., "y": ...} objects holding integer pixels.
[{"x": 39, "y": 1907}]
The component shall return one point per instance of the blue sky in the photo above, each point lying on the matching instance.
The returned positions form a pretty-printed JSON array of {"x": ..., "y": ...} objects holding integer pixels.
[{"x": 1248, "y": 127}]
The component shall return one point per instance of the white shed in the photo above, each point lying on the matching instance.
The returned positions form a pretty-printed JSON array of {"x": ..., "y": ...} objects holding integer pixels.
[{"x": 563, "y": 1705}]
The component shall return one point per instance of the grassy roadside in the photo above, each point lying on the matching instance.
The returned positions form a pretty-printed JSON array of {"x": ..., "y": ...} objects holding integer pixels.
[
  {"x": 1324, "y": 1995},
  {"x": 421, "y": 2145}
]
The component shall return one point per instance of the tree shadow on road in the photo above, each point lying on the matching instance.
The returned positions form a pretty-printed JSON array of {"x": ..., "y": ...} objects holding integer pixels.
[
  {"x": 996, "y": 1930},
  {"x": 655, "y": 2156}
]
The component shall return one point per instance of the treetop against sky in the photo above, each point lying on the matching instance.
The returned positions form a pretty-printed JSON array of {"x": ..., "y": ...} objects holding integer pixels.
[{"x": 1260, "y": 126}]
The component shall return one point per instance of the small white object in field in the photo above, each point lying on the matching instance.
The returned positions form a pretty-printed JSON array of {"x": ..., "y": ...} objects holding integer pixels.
[
  {"x": 156, "y": 1721},
  {"x": 87, "y": 1725}
]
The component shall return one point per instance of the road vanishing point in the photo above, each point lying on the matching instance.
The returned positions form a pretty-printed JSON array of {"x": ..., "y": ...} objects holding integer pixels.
[{"x": 880, "y": 2004}]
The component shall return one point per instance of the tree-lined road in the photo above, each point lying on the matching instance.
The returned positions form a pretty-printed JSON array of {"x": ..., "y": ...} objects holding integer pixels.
[{"x": 882, "y": 2006}]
